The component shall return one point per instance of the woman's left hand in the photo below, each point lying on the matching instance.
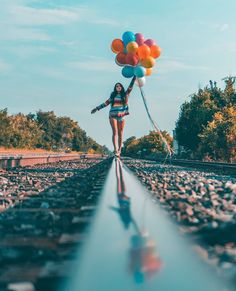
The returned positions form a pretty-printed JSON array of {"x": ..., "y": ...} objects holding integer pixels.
[{"x": 94, "y": 110}]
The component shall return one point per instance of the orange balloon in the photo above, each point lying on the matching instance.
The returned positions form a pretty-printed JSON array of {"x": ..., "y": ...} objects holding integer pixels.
[
  {"x": 132, "y": 47},
  {"x": 155, "y": 51},
  {"x": 148, "y": 72},
  {"x": 148, "y": 62},
  {"x": 117, "y": 46},
  {"x": 143, "y": 51}
]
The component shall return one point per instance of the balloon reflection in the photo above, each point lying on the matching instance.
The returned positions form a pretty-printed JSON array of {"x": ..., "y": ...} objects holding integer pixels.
[{"x": 143, "y": 258}]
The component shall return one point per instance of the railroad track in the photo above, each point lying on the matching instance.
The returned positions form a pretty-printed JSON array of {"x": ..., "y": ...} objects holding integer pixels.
[
  {"x": 223, "y": 168},
  {"x": 77, "y": 228}
]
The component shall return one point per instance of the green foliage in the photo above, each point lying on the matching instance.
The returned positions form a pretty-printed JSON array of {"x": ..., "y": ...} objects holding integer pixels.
[
  {"x": 45, "y": 130},
  {"x": 147, "y": 145},
  {"x": 4, "y": 127},
  {"x": 205, "y": 122},
  {"x": 23, "y": 132},
  {"x": 218, "y": 139}
]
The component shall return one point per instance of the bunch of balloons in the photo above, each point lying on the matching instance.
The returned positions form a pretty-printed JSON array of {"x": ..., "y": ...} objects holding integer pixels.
[{"x": 136, "y": 55}]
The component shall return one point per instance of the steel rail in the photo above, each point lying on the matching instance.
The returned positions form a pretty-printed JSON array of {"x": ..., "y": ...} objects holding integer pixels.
[
  {"x": 22, "y": 160},
  {"x": 229, "y": 168},
  {"x": 134, "y": 246}
]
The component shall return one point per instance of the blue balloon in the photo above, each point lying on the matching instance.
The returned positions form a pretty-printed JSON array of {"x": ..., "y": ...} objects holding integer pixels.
[
  {"x": 139, "y": 71},
  {"x": 128, "y": 71},
  {"x": 127, "y": 37}
]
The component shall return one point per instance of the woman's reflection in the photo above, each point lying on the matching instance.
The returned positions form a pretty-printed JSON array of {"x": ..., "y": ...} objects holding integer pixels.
[
  {"x": 123, "y": 200},
  {"x": 143, "y": 261}
]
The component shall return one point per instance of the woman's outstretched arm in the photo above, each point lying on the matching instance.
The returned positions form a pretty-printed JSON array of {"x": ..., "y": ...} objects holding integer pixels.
[
  {"x": 106, "y": 103},
  {"x": 130, "y": 88}
]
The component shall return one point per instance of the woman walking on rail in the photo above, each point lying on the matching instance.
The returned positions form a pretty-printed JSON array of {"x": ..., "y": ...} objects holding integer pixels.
[{"x": 119, "y": 108}]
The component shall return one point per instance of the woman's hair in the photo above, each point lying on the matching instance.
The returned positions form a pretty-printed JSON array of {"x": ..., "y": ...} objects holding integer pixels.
[{"x": 114, "y": 93}]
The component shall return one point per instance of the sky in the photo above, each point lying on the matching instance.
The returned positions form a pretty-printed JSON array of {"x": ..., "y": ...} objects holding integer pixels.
[{"x": 55, "y": 55}]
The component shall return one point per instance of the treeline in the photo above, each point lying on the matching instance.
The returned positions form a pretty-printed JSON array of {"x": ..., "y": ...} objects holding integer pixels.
[
  {"x": 151, "y": 145},
  {"x": 206, "y": 128},
  {"x": 45, "y": 130}
]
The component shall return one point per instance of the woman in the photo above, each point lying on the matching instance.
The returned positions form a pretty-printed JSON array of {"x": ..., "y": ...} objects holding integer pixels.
[{"x": 119, "y": 108}]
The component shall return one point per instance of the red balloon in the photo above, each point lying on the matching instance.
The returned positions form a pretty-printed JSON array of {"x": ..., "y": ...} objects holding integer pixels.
[
  {"x": 121, "y": 59},
  {"x": 131, "y": 59}
]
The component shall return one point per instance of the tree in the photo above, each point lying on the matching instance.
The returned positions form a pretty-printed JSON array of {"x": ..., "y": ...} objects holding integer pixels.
[
  {"x": 147, "y": 145},
  {"x": 4, "y": 127},
  {"x": 205, "y": 124},
  {"x": 194, "y": 115},
  {"x": 24, "y": 132},
  {"x": 45, "y": 130},
  {"x": 47, "y": 123},
  {"x": 218, "y": 139}
]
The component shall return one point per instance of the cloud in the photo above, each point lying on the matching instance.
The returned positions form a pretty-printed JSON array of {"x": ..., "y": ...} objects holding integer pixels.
[
  {"x": 172, "y": 65},
  {"x": 55, "y": 73},
  {"x": 212, "y": 25},
  {"x": 24, "y": 22},
  {"x": 29, "y": 51},
  {"x": 224, "y": 27},
  {"x": 95, "y": 64},
  {"x": 23, "y": 15},
  {"x": 13, "y": 33},
  {"x": 4, "y": 67}
]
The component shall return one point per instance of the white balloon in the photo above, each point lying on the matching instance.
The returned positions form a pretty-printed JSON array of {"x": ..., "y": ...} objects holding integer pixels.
[{"x": 140, "y": 82}]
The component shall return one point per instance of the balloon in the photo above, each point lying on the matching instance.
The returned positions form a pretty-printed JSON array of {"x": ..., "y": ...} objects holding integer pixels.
[
  {"x": 140, "y": 82},
  {"x": 131, "y": 59},
  {"x": 155, "y": 51},
  {"x": 143, "y": 51},
  {"x": 148, "y": 71},
  {"x": 148, "y": 62},
  {"x": 135, "y": 54},
  {"x": 139, "y": 38},
  {"x": 139, "y": 71},
  {"x": 127, "y": 72},
  {"x": 117, "y": 45},
  {"x": 121, "y": 59},
  {"x": 150, "y": 42},
  {"x": 127, "y": 37},
  {"x": 132, "y": 47}
]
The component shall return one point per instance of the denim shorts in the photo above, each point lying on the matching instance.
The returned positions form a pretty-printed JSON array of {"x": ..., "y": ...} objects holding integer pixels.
[{"x": 118, "y": 118}]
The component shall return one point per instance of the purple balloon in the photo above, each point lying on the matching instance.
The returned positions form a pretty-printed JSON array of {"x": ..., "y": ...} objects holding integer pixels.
[
  {"x": 139, "y": 38},
  {"x": 149, "y": 42}
]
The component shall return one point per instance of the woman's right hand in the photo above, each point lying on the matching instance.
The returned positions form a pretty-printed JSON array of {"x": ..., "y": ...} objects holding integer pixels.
[{"x": 94, "y": 110}]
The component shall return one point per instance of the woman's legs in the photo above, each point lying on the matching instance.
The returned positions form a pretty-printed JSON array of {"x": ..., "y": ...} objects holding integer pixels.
[
  {"x": 113, "y": 123},
  {"x": 120, "y": 126}
]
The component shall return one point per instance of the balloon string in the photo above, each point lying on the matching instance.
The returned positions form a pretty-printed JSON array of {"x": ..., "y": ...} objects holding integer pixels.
[{"x": 154, "y": 124}]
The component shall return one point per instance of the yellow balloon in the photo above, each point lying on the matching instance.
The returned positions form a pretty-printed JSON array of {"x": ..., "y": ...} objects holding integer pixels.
[
  {"x": 148, "y": 62},
  {"x": 132, "y": 47}
]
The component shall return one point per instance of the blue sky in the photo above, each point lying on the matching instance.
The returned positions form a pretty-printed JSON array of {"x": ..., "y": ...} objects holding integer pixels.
[{"x": 55, "y": 55}]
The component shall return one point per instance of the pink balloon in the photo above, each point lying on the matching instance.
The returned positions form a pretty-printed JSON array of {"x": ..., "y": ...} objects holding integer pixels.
[
  {"x": 149, "y": 42},
  {"x": 139, "y": 38}
]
